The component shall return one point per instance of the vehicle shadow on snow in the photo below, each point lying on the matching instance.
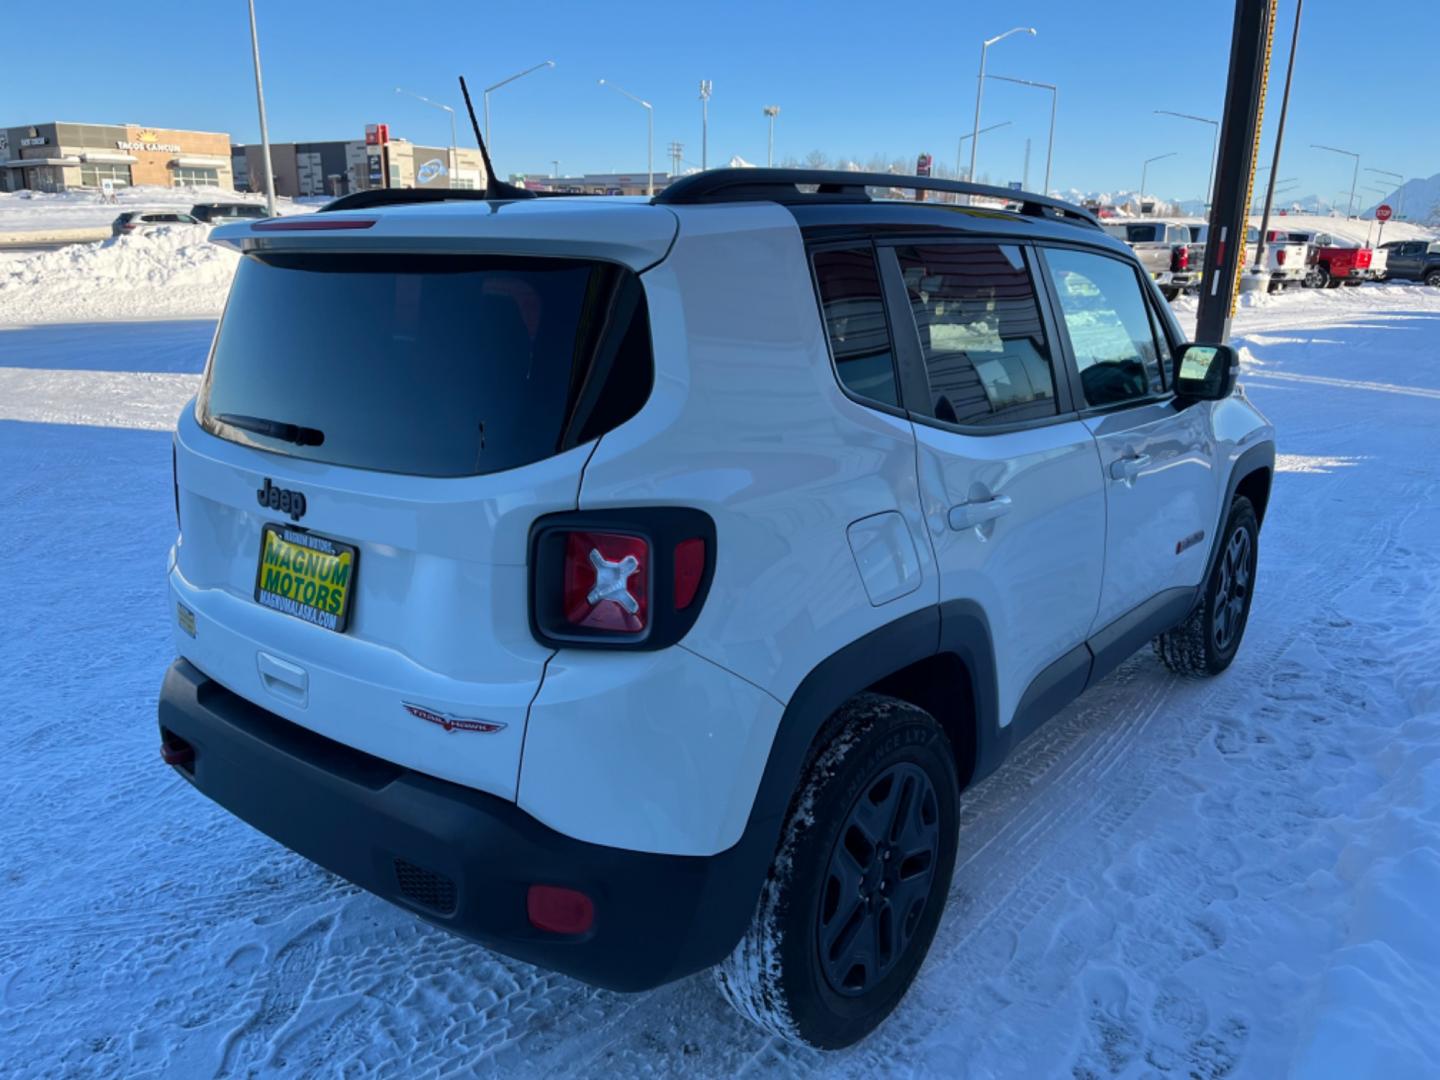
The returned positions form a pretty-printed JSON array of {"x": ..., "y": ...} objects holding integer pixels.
[{"x": 172, "y": 345}]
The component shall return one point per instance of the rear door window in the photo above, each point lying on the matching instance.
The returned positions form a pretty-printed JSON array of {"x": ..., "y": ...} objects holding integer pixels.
[
  {"x": 1111, "y": 334},
  {"x": 434, "y": 365},
  {"x": 854, "y": 312},
  {"x": 981, "y": 334}
]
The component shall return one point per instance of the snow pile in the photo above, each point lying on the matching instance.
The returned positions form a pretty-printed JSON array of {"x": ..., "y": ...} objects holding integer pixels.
[{"x": 172, "y": 272}]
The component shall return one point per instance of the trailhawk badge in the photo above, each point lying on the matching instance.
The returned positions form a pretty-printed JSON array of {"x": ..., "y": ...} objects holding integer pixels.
[{"x": 451, "y": 722}]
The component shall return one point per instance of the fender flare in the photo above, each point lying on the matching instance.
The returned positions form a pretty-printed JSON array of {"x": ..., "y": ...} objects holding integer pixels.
[
  {"x": 1258, "y": 457},
  {"x": 957, "y": 626}
]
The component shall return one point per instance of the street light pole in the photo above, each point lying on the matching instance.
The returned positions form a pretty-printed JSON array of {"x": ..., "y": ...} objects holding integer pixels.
[
  {"x": 1279, "y": 139},
  {"x": 1214, "y": 147},
  {"x": 264, "y": 128},
  {"x": 454, "y": 146},
  {"x": 771, "y": 111},
  {"x": 705, "y": 87},
  {"x": 650, "y": 145},
  {"x": 489, "y": 142},
  {"x": 1054, "y": 100},
  {"x": 1399, "y": 179},
  {"x": 980, "y": 89},
  {"x": 1145, "y": 170},
  {"x": 1354, "y": 176},
  {"x": 960, "y": 146}
]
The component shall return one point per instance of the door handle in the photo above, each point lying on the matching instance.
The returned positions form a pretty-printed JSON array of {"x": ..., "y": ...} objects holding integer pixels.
[
  {"x": 1128, "y": 468},
  {"x": 970, "y": 514}
]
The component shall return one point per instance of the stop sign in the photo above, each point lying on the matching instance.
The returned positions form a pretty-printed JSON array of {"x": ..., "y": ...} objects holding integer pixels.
[{"x": 1382, "y": 212}]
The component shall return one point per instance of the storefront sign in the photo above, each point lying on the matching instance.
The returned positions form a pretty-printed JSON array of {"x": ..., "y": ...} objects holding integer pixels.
[
  {"x": 128, "y": 144},
  {"x": 432, "y": 173},
  {"x": 36, "y": 140}
]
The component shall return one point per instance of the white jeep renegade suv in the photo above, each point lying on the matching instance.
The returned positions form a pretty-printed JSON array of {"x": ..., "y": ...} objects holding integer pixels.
[{"x": 634, "y": 585}]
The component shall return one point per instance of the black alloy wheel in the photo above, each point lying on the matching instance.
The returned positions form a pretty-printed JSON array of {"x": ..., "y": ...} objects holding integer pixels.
[{"x": 879, "y": 879}]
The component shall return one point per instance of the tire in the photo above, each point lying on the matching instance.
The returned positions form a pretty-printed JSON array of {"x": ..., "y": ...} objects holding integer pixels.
[
  {"x": 1206, "y": 642},
  {"x": 1432, "y": 278},
  {"x": 1318, "y": 278},
  {"x": 1171, "y": 295},
  {"x": 813, "y": 967}
]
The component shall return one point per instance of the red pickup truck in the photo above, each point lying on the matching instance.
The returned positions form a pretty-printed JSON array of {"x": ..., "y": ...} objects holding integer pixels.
[{"x": 1331, "y": 263}]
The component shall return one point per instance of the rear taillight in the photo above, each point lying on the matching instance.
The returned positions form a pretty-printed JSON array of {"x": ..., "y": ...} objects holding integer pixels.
[
  {"x": 607, "y": 582},
  {"x": 127, "y": 227},
  {"x": 689, "y": 569},
  {"x": 1279, "y": 256},
  {"x": 1181, "y": 259},
  {"x": 633, "y": 578}
]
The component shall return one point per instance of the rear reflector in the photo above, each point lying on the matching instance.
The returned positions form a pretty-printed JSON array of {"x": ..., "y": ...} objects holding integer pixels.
[
  {"x": 606, "y": 582},
  {"x": 689, "y": 569},
  {"x": 559, "y": 911},
  {"x": 311, "y": 224}
]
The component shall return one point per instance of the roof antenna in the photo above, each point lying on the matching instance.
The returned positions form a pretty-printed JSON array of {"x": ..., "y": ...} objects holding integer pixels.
[{"x": 495, "y": 188}]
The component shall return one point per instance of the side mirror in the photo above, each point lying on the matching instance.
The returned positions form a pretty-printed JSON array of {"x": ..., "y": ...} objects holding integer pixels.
[{"x": 1205, "y": 372}]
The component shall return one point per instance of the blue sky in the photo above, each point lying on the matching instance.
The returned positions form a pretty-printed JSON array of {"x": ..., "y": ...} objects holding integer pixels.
[{"x": 851, "y": 79}]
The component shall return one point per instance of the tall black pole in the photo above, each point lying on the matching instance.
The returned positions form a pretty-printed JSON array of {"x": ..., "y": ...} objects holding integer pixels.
[
  {"x": 1279, "y": 138},
  {"x": 1235, "y": 167}
]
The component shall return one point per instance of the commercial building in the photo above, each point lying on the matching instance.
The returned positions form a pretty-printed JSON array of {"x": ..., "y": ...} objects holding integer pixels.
[
  {"x": 340, "y": 167},
  {"x": 61, "y": 156},
  {"x": 595, "y": 183}
]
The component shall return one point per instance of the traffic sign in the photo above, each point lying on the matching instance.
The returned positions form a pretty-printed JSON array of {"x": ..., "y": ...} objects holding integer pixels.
[{"x": 1383, "y": 212}]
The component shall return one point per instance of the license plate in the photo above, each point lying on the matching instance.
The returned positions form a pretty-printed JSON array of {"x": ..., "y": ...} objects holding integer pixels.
[{"x": 308, "y": 576}]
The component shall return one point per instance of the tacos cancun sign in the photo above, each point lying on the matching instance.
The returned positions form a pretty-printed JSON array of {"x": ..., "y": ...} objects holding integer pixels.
[{"x": 147, "y": 141}]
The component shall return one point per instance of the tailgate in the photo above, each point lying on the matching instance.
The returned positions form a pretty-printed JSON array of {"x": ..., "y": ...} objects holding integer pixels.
[{"x": 394, "y": 423}]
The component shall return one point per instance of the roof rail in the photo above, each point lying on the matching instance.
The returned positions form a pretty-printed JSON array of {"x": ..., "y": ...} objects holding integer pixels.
[{"x": 832, "y": 185}]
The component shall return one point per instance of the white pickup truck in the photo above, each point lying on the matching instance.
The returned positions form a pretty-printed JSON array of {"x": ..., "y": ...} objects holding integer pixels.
[{"x": 1285, "y": 258}]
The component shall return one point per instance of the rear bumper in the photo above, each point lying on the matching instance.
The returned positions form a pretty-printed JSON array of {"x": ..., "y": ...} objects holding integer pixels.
[{"x": 457, "y": 857}]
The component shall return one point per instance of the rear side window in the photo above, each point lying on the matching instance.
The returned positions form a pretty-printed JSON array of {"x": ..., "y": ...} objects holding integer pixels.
[
  {"x": 433, "y": 365},
  {"x": 980, "y": 330},
  {"x": 1111, "y": 333},
  {"x": 854, "y": 313},
  {"x": 1141, "y": 234}
]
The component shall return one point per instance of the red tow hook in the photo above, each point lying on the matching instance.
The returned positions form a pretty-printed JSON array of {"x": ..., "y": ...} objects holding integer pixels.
[{"x": 177, "y": 752}]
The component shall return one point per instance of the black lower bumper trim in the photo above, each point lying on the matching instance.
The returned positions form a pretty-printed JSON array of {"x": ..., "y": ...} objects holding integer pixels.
[{"x": 457, "y": 857}]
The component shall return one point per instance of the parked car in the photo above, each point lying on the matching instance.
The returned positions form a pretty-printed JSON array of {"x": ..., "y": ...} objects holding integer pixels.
[
  {"x": 1413, "y": 260},
  {"x": 1285, "y": 260},
  {"x": 1163, "y": 248},
  {"x": 143, "y": 221},
  {"x": 220, "y": 213},
  {"x": 1334, "y": 260},
  {"x": 634, "y": 586}
]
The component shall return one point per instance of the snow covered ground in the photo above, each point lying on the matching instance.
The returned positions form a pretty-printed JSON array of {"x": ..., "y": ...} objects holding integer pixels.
[{"x": 1198, "y": 879}]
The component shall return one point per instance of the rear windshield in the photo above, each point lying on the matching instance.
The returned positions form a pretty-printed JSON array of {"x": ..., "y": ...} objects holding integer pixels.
[
  {"x": 433, "y": 365},
  {"x": 1140, "y": 234}
]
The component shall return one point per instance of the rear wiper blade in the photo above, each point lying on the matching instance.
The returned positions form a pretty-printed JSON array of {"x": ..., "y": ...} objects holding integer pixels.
[{"x": 275, "y": 429}]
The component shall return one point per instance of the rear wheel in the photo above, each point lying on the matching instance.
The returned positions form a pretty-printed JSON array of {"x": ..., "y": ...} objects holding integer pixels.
[
  {"x": 1170, "y": 294},
  {"x": 1317, "y": 278},
  {"x": 1206, "y": 642},
  {"x": 860, "y": 878},
  {"x": 1432, "y": 278}
]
